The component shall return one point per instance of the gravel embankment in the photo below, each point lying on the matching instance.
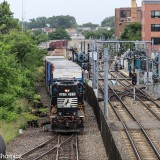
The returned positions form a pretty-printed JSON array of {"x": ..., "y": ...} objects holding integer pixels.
[{"x": 90, "y": 142}]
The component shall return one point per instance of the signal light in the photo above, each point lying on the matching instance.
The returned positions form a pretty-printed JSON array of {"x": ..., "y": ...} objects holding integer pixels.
[{"x": 134, "y": 79}]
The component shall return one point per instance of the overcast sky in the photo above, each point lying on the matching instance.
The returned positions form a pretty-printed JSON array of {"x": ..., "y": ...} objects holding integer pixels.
[{"x": 84, "y": 11}]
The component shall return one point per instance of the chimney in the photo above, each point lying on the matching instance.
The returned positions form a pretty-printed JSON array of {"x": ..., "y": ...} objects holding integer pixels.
[{"x": 133, "y": 11}]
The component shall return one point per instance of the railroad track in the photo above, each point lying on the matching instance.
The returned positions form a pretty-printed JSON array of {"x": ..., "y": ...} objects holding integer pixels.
[
  {"x": 142, "y": 141},
  {"x": 69, "y": 149},
  {"x": 58, "y": 147},
  {"x": 145, "y": 100}
]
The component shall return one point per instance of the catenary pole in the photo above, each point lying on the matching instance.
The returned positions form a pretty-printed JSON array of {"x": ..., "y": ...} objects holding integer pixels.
[{"x": 106, "y": 58}]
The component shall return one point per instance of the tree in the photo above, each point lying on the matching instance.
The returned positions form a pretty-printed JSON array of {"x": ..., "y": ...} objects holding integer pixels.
[
  {"x": 59, "y": 34},
  {"x": 20, "y": 44},
  {"x": 132, "y": 32},
  {"x": 89, "y": 34},
  {"x": 53, "y": 22},
  {"x": 99, "y": 33},
  {"x": 62, "y": 22},
  {"x": 19, "y": 62},
  {"x": 91, "y": 25},
  {"x": 36, "y": 32},
  {"x": 108, "y": 22},
  {"x": 105, "y": 33},
  {"x": 41, "y": 38},
  {"x": 6, "y": 19},
  {"x": 39, "y": 22}
]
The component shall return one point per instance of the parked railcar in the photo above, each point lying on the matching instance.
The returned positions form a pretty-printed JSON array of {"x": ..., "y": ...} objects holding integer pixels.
[
  {"x": 64, "y": 82},
  {"x": 57, "y": 44}
]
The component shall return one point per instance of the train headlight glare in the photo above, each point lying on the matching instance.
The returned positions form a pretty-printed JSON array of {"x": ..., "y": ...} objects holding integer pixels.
[
  {"x": 66, "y": 90},
  {"x": 60, "y": 113}
]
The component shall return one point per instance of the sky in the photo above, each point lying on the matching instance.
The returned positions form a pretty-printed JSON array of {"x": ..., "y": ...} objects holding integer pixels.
[{"x": 84, "y": 11}]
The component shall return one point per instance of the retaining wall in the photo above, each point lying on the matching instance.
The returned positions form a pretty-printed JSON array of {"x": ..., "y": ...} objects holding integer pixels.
[{"x": 110, "y": 147}]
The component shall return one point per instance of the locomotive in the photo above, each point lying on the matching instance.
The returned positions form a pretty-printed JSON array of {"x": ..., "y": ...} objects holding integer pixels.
[{"x": 64, "y": 82}]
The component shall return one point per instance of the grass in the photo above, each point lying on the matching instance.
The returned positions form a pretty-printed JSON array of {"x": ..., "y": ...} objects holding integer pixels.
[{"x": 10, "y": 130}]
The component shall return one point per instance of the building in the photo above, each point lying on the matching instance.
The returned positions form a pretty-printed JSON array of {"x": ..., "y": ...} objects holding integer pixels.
[
  {"x": 126, "y": 16},
  {"x": 151, "y": 22},
  {"x": 148, "y": 15},
  {"x": 48, "y": 30}
]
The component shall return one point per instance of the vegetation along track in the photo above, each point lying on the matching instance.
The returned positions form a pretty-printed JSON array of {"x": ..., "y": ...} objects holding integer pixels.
[
  {"x": 60, "y": 146},
  {"x": 143, "y": 146}
]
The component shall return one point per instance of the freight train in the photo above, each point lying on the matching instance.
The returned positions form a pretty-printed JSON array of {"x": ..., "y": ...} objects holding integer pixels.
[{"x": 64, "y": 82}]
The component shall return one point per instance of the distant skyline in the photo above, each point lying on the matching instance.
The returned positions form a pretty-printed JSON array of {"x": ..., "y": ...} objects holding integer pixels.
[{"x": 84, "y": 11}]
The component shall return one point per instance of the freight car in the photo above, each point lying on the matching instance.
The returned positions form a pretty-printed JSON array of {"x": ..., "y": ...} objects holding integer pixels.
[
  {"x": 57, "y": 44},
  {"x": 64, "y": 82}
]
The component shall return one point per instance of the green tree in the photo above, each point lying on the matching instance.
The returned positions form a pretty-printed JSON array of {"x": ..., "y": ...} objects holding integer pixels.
[
  {"x": 89, "y": 34},
  {"x": 7, "y": 22},
  {"x": 20, "y": 44},
  {"x": 19, "y": 62},
  {"x": 41, "y": 38},
  {"x": 59, "y": 34},
  {"x": 36, "y": 32},
  {"x": 108, "y": 22},
  {"x": 105, "y": 33},
  {"x": 62, "y": 22},
  {"x": 54, "y": 22},
  {"x": 99, "y": 33},
  {"x": 39, "y": 22},
  {"x": 132, "y": 32},
  {"x": 91, "y": 25}
]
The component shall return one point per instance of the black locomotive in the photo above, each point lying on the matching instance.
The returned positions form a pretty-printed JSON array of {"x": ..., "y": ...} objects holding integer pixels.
[{"x": 67, "y": 106}]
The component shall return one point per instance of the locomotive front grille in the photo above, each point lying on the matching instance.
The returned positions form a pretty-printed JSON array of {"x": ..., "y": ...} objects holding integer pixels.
[{"x": 67, "y": 102}]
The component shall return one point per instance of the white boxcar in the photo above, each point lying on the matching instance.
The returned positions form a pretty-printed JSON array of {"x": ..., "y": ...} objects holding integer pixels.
[{"x": 62, "y": 69}]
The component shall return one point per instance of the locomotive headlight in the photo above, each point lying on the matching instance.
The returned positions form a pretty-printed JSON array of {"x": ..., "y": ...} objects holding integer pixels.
[
  {"x": 59, "y": 113},
  {"x": 66, "y": 90}
]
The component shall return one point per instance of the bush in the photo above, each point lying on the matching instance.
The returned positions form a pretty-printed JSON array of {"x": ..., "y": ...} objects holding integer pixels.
[
  {"x": 30, "y": 117},
  {"x": 8, "y": 115}
]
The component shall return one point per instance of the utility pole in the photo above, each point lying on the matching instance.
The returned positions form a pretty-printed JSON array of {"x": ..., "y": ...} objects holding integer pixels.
[
  {"x": 106, "y": 58},
  {"x": 22, "y": 17},
  {"x": 147, "y": 67},
  {"x": 95, "y": 68}
]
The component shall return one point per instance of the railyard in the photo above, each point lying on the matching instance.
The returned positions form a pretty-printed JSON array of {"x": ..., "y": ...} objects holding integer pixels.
[
  {"x": 129, "y": 125},
  {"x": 82, "y": 94}
]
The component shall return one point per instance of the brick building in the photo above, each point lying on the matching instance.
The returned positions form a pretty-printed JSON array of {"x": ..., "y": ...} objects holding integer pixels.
[
  {"x": 148, "y": 15},
  {"x": 125, "y": 16},
  {"x": 151, "y": 22}
]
